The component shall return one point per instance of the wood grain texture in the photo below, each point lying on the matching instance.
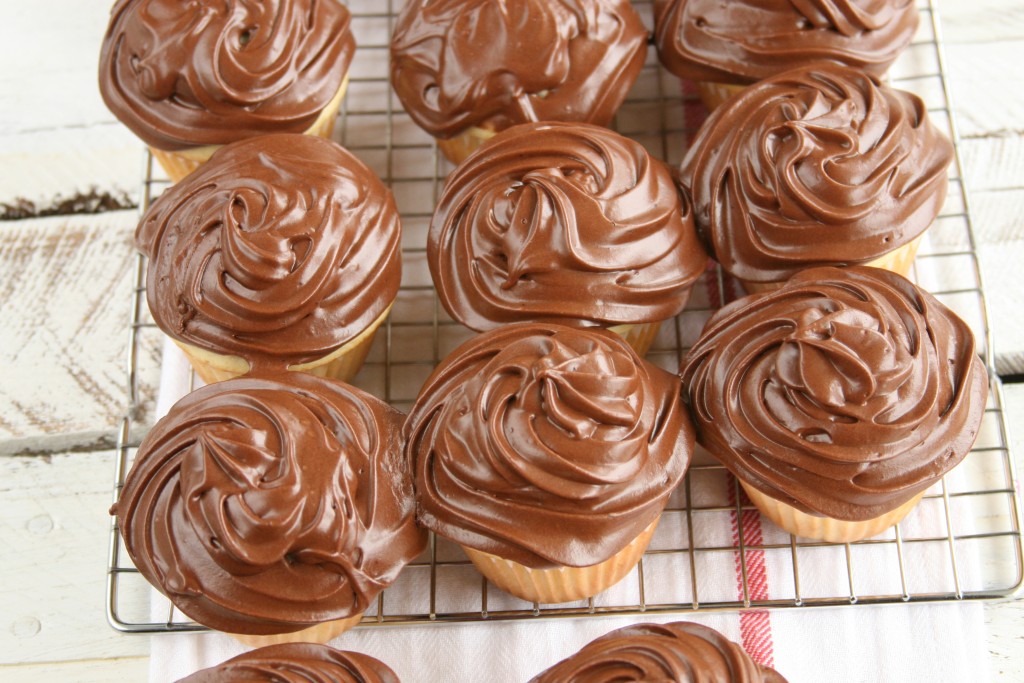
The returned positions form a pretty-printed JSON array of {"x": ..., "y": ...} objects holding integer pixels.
[
  {"x": 1005, "y": 620},
  {"x": 65, "y": 286},
  {"x": 82, "y": 671},
  {"x": 53, "y": 510},
  {"x": 43, "y": 165}
]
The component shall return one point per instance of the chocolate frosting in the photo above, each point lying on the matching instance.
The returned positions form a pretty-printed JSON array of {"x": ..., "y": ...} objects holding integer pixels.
[
  {"x": 742, "y": 41},
  {"x": 818, "y": 166},
  {"x": 186, "y": 74},
  {"x": 496, "y": 63},
  {"x": 679, "y": 652},
  {"x": 546, "y": 445},
  {"x": 845, "y": 393},
  {"x": 268, "y": 504},
  {"x": 561, "y": 220},
  {"x": 297, "y": 663},
  {"x": 279, "y": 250}
]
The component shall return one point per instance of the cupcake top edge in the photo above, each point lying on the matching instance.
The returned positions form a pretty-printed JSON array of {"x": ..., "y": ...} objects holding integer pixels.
[
  {"x": 455, "y": 65},
  {"x": 192, "y": 74},
  {"x": 845, "y": 393},
  {"x": 279, "y": 250},
  {"x": 677, "y": 651},
  {"x": 546, "y": 444},
  {"x": 743, "y": 41},
  {"x": 822, "y": 165},
  {"x": 562, "y": 221},
  {"x": 296, "y": 661},
  {"x": 271, "y": 503}
]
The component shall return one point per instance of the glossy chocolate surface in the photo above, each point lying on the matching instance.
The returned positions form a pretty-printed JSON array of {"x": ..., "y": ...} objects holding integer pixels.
[
  {"x": 818, "y": 166},
  {"x": 279, "y": 250},
  {"x": 562, "y": 221},
  {"x": 297, "y": 663},
  {"x": 680, "y": 652},
  {"x": 845, "y": 393},
  {"x": 496, "y": 63},
  {"x": 269, "y": 504},
  {"x": 546, "y": 444},
  {"x": 743, "y": 41},
  {"x": 188, "y": 74}
]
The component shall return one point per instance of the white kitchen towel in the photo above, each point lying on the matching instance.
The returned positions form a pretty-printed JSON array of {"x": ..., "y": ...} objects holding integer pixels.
[
  {"x": 878, "y": 644},
  {"x": 890, "y": 643}
]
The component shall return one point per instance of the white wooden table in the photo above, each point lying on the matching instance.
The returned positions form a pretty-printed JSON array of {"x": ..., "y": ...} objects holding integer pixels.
[{"x": 65, "y": 280}]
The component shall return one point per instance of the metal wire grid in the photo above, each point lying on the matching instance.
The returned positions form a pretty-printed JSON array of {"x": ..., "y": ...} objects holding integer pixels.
[{"x": 966, "y": 530}]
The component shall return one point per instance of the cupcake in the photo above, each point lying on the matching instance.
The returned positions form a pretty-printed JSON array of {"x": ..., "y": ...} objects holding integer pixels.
[
  {"x": 282, "y": 251},
  {"x": 679, "y": 651},
  {"x": 548, "y": 453},
  {"x": 272, "y": 508},
  {"x": 818, "y": 166},
  {"x": 727, "y": 45},
  {"x": 296, "y": 662},
  {"x": 465, "y": 69},
  {"x": 838, "y": 399},
  {"x": 564, "y": 221},
  {"x": 189, "y": 77}
]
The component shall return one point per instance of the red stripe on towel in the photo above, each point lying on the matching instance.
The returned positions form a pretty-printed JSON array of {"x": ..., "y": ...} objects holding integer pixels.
[{"x": 755, "y": 625}]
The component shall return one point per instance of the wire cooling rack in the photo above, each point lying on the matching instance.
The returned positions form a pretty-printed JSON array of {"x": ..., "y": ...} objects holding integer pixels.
[{"x": 712, "y": 550}]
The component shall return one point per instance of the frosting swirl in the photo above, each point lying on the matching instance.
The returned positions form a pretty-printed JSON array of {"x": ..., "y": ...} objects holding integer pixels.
[
  {"x": 297, "y": 663},
  {"x": 185, "y": 74},
  {"x": 462, "y": 63},
  {"x": 845, "y": 393},
  {"x": 560, "y": 220},
  {"x": 818, "y": 166},
  {"x": 269, "y": 504},
  {"x": 279, "y": 250},
  {"x": 680, "y": 652},
  {"x": 743, "y": 41},
  {"x": 546, "y": 445}
]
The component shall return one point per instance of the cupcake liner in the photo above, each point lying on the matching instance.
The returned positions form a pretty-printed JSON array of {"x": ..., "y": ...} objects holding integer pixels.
[
  {"x": 638, "y": 335},
  {"x": 320, "y": 634},
  {"x": 343, "y": 363},
  {"x": 829, "y": 529},
  {"x": 213, "y": 367},
  {"x": 713, "y": 94},
  {"x": 899, "y": 261},
  {"x": 456, "y": 149},
  {"x": 178, "y": 164},
  {"x": 561, "y": 584}
]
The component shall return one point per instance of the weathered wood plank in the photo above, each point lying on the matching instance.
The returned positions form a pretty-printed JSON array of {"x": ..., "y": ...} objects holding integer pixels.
[
  {"x": 61, "y": 40},
  {"x": 980, "y": 21},
  {"x": 87, "y": 671},
  {"x": 988, "y": 89},
  {"x": 994, "y": 163},
  {"x": 53, "y": 511},
  {"x": 65, "y": 285},
  {"x": 41, "y": 166},
  {"x": 1005, "y": 620}
]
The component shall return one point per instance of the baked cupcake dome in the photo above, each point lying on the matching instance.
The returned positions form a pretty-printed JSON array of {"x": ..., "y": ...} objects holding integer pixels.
[
  {"x": 547, "y": 445},
  {"x": 278, "y": 252},
  {"x": 297, "y": 662},
  {"x": 845, "y": 394},
  {"x": 822, "y": 165},
  {"x": 456, "y": 64},
  {"x": 562, "y": 221},
  {"x": 182, "y": 75},
  {"x": 680, "y": 651},
  {"x": 268, "y": 505},
  {"x": 743, "y": 41}
]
